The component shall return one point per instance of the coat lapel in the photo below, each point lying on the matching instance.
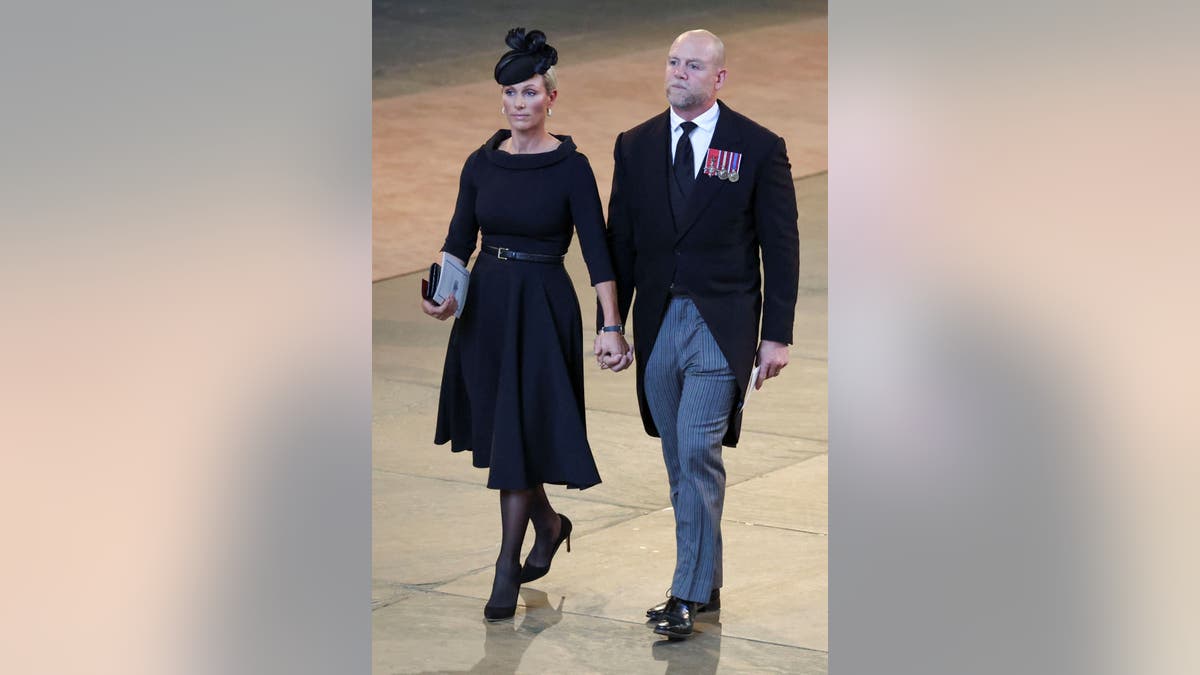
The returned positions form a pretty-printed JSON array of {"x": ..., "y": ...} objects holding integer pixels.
[{"x": 725, "y": 137}]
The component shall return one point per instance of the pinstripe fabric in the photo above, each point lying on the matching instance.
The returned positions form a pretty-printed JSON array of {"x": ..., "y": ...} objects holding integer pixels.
[{"x": 690, "y": 389}]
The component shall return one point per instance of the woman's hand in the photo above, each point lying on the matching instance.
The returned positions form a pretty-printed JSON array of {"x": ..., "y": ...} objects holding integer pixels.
[
  {"x": 612, "y": 352},
  {"x": 443, "y": 311}
]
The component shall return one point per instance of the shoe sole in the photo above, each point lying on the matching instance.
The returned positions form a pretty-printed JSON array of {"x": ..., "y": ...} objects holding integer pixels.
[
  {"x": 674, "y": 636},
  {"x": 499, "y": 617}
]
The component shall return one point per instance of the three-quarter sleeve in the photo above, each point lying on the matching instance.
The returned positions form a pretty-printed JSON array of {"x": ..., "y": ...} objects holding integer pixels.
[
  {"x": 589, "y": 221},
  {"x": 464, "y": 228}
]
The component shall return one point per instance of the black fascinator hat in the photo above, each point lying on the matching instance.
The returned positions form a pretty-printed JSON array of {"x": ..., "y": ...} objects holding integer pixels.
[{"x": 528, "y": 54}]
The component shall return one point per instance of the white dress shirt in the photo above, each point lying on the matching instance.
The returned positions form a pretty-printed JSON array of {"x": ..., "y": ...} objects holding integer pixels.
[{"x": 706, "y": 124}]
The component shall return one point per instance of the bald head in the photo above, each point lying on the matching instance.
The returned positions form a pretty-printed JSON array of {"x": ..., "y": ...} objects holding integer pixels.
[
  {"x": 695, "y": 72},
  {"x": 705, "y": 40}
]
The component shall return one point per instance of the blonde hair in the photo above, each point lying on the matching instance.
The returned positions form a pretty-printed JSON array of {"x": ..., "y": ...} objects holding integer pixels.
[{"x": 551, "y": 79}]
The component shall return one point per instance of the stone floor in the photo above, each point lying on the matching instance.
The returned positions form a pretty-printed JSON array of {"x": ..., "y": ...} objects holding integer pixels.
[{"x": 435, "y": 526}]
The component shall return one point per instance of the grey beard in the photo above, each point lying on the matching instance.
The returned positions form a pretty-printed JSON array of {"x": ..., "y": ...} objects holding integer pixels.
[{"x": 681, "y": 99}]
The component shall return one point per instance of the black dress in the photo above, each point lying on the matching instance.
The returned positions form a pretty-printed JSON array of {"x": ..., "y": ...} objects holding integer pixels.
[{"x": 512, "y": 386}]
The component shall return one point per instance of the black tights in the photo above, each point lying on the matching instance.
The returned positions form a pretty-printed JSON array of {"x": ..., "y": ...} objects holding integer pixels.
[{"x": 517, "y": 508}]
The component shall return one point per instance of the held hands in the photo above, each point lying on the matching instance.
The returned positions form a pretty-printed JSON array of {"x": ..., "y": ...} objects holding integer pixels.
[
  {"x": 771, "y": 358},
  {"x": 612, "y": 352},
  {"x": 443, "y": 311}
]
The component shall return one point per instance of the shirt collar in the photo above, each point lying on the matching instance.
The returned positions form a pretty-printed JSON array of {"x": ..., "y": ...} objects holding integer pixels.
[{"x": 706, "y": 120}]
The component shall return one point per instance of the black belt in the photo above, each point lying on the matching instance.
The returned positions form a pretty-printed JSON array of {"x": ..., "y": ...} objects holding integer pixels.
[{"x": 509, "y": 254}]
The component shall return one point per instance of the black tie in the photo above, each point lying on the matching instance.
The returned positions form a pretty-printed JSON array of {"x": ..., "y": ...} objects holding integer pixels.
[{"x": 685, "y": 163}]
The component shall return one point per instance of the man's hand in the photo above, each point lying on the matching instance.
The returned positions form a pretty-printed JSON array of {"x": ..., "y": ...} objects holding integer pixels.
[
  {"x": 443, "y": 311},
  {"x": 771, "y": 358},
  {"x": 612, "y": 352},
  {"x": 623, "y": 362}
]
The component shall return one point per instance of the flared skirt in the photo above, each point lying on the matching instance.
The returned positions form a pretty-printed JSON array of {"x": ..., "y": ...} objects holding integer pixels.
[{"x": 512, "y": 385}]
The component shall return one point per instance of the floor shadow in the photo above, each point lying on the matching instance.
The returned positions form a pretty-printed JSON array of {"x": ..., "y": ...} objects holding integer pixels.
[
  {"x": 505, "y": 642},
  {"x": 700, "y": 654}
]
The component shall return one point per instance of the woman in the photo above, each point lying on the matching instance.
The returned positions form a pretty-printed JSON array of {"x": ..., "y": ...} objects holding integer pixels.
[{"x": 512, "y": 387}]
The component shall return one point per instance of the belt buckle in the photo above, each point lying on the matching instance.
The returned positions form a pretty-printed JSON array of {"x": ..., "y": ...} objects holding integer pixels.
[{"x": 500, "y": 253}]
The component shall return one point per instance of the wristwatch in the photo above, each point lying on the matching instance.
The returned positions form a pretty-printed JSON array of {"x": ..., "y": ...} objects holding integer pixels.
[{"x": 618, "y": 328}]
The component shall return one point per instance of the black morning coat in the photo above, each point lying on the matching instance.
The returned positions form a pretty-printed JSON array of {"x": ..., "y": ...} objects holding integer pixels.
[{"x": 712, "y": 249}]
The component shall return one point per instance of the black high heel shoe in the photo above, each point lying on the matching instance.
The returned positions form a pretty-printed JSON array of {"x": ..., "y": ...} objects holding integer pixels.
[
  {"x": 500, "y": 612},
  {"x": 492, "y": 613},
  {"x": 531, "y": 572}
]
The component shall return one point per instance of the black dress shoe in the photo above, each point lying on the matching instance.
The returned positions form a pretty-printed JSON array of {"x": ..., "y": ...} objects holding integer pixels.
[
  {"x": 676, "y": 623},
  {"x": 656, "y": 612},
  {"x": 531, "y": 572}
]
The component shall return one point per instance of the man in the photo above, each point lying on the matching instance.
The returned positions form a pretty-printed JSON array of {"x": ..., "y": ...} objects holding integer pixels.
[{"x": 697, "y": 192}]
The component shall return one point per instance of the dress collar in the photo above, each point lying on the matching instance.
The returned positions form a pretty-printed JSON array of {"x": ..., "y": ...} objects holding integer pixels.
[{"x": 532, "y": 161}]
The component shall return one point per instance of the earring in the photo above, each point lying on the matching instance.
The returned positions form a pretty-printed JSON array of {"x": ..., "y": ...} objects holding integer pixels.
[
  {"x": 549, "y": 112},
  {"x": 501, "y": 110}
]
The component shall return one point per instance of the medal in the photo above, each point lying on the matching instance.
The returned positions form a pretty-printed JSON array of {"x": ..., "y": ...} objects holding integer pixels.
[
  {"x": 710, "y": 163},
  {"x": 724, "y": 164}
]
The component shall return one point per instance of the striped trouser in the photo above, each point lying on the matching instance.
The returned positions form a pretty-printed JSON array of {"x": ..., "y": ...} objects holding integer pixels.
[{"x": 691, "y": 390}]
